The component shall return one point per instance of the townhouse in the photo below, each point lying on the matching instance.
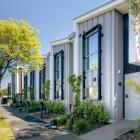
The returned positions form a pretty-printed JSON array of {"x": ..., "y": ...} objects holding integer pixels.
[
  {"x": 104, "y": 50},
  {"x": 26, "y": 80},
  {"x": 61, "y": 67}
]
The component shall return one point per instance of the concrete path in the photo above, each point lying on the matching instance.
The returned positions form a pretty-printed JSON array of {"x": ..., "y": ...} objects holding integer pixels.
[
  {"x": 26, "y": 129},
  {"x": 111, "y": 131}
]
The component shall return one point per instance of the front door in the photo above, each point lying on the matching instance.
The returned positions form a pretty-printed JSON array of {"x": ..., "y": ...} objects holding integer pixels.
[{"x": 132, "y": 95}]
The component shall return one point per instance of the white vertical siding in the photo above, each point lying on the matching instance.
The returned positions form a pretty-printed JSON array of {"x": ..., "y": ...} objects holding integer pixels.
[
  {"x": 68, "y": 70},
  {"x": 112, "y": 58}
]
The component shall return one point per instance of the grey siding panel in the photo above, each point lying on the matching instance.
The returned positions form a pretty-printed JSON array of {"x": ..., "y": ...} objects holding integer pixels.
[
  {"x": 117, "y": 95},
  {"x": 89, "y": 24}
]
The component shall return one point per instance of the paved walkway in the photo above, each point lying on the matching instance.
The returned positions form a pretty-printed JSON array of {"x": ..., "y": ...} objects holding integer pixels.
[
  {"x": 112, "y": 131},
  {"x": 26, "y": 128}
]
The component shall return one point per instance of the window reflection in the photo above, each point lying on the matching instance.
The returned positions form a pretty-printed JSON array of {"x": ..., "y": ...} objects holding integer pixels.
[
  {"x": 58, "y": 75},
  {"x": 91, "y": 66}
]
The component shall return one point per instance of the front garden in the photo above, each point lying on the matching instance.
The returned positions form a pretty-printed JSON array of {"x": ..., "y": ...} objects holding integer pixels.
[{"x": 85, "y": 115}]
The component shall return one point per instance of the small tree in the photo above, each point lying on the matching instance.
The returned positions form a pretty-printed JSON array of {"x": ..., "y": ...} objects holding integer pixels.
[
  {"x": 134, "y": 10},
  {"x": 31, "y": 90},
  {"x": 24, "y": 94},
  {"x": 75, "y": 82}
]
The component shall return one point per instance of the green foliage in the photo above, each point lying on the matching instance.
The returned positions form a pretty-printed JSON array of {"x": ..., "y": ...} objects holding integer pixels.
[
  {"x": 24, "y": 93},
  {"x": 134, "y": 10},
  {"x": 137, "y": 133},
  {"x": 103, "y": 115},
  {"x": 46, "y": 90},
  {"x": 62, "y": 120},
  {"x": 34, "y": 107},
  {"x": 10, "y": 101},
  {"x": 18, "y": 44},
  {"x": 18, "y": 104},
  {"x": 80, "y": 126},
  {"x": 3, "y": 92},
  {"x": 31, "y": 90},
  {"x": 75, "y": 82},
  {"x": 58, "y": 108},
  {"x": 50, "y": 106},
  {"x": 90, "y": 111},
  {"x": 95, "y": 112},
  {"x": 135, "y": 86}
]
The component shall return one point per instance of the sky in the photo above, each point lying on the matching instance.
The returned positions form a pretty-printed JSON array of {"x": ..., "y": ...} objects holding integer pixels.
[{"x": 53, "y": 18}]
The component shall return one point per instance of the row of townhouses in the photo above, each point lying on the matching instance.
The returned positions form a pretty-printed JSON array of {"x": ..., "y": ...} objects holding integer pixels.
[{"x": 103, "y": 49}]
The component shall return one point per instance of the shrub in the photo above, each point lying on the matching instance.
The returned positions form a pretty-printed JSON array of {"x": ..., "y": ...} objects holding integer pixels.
[
  {"x": 58, "y": 108},
  {"x": 62, "y": 120},
  {"x": 50, "y": 106},
  {"x": 75, "y": 83},
  {"x": 95, "y": 112},
  {"x": 35, "y": 106},
  {"x": 18, "y": 104},
  {"x": 80, "y": 126},
  {"x": 137, "y": 133},
  {"x": 103, "y": 115},
  {"x": 90, "y": 112}
]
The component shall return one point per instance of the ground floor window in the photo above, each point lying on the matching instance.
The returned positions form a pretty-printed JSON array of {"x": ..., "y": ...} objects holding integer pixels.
[
  {"x": 59, "y": 75},
  {"x": 32, "y": 84},
  {"x": 92, "y": 63},
  {"x": 25, "y": 85},
  {"x": 41, "y": 82}
]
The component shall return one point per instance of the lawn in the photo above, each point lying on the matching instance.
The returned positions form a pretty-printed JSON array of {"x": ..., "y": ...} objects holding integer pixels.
[{"x": 5, "y": 130}]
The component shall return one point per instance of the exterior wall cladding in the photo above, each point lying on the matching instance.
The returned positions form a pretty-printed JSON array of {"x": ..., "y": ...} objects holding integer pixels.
[
  {"x": 113, "y": 20},
  {"x": 111, "y": 58},
  {"x": 67, "y": 48}
]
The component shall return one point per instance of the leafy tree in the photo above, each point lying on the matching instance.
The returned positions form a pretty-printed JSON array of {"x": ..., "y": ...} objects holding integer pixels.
[
  {"x": 19, "y": 44},
  {"x": 3, "y": 92},
  {"x": 134, "y": 10},
  {"x": 75, "y": 82},
  {"x": 46, "y": 90}
]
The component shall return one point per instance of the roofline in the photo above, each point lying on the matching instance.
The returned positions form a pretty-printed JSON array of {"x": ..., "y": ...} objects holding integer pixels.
[
  {"x": 61, "y": 41},
  {"x": 101, "y": 9}
]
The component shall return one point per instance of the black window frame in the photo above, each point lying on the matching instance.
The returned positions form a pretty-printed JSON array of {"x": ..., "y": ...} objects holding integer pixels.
[
  {"x": 42, "y": 74},
  {"x": 32, "y": 82},
  {"x": 97, "y": 28},
  {"x": 61, "y": 53},
  {"x": 25, "y": 84}
]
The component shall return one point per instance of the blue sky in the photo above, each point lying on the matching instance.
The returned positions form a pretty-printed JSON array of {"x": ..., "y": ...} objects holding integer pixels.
[{"x": 53, "y": 18}]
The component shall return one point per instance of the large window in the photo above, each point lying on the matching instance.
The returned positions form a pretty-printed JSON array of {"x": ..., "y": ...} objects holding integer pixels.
[
  {"x": 25, "y": 85},
  {"x": 59, "y": 75},
  {"x": 92, "y": 63},
  {"x": 41, "y": 82},
  {"x": 32, "y": 83}
]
